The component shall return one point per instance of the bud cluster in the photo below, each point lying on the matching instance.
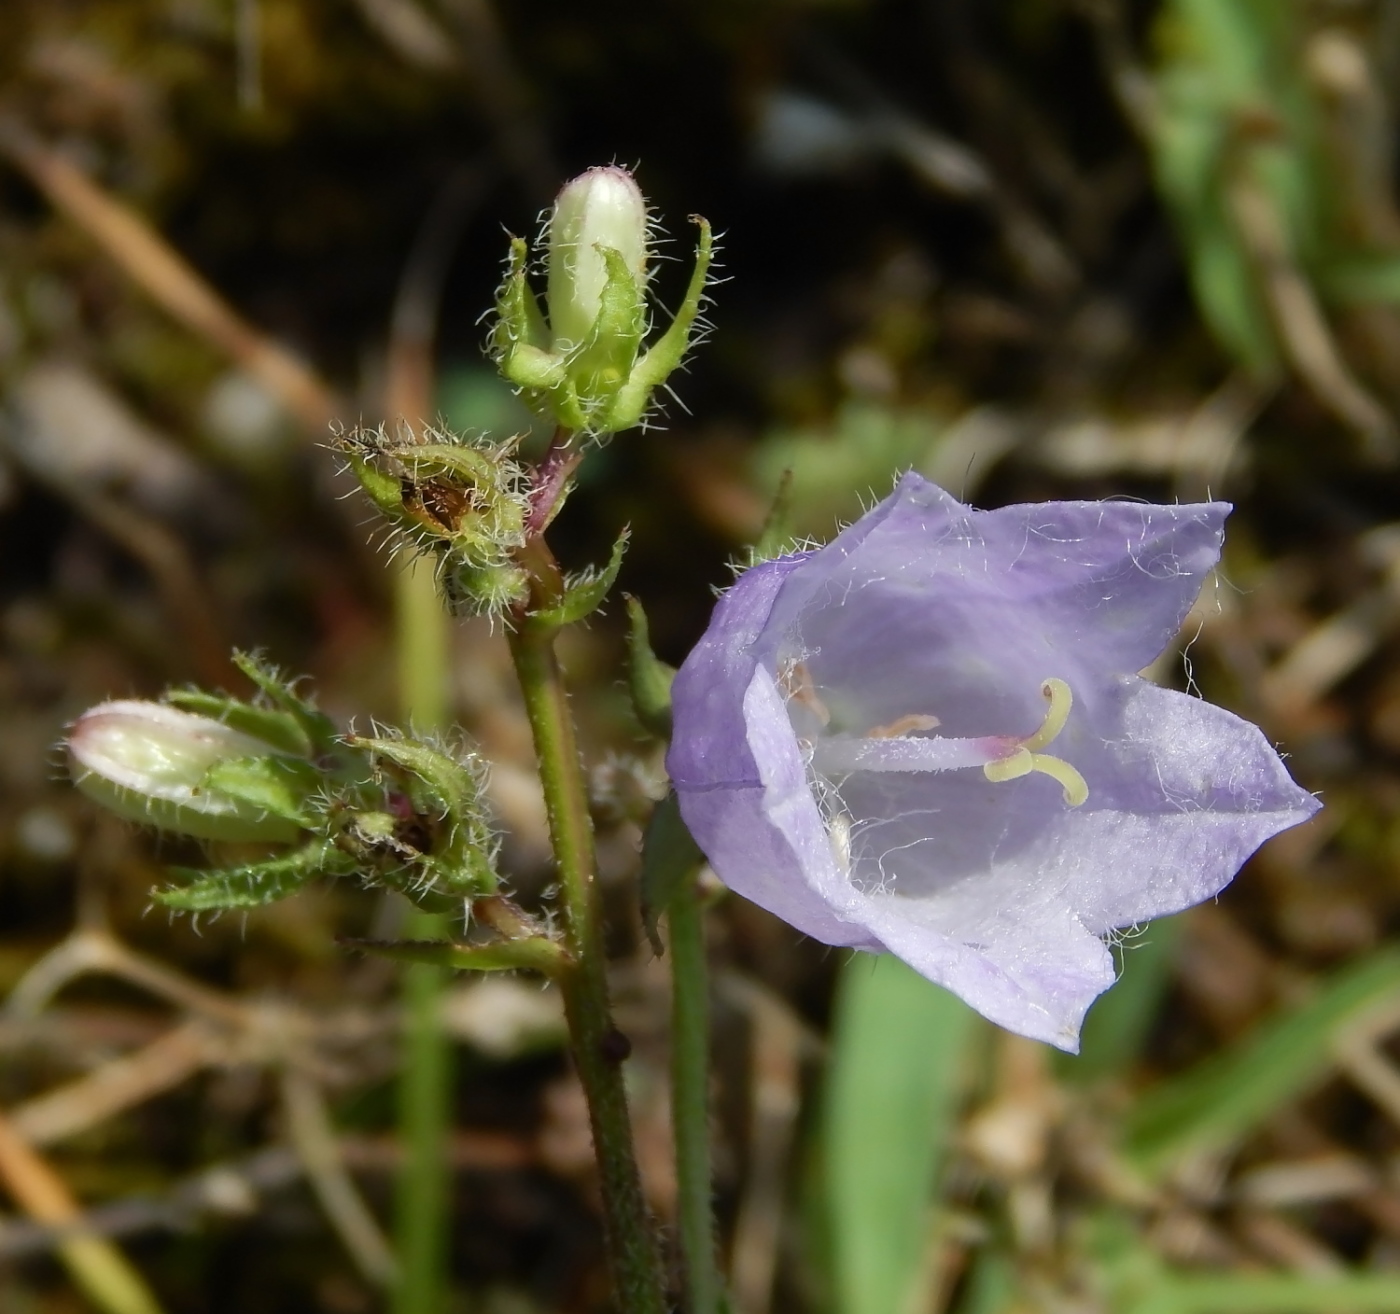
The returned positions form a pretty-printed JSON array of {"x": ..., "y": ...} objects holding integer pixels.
[{"x": 388, "y": 810}]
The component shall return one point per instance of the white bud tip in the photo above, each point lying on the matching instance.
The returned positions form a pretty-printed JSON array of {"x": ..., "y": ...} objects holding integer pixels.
[
  {"x": 601, "y": 208},
  {"x": 147, "y": 762}
]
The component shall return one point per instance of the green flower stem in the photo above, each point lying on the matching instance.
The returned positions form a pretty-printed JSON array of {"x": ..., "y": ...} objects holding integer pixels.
[
  {"x": 424, "y": 1117},
  {"x": 597, "y": 1045},
  {"x": 422, "y": 1200},
  {"x": 690, "y": 1111}
]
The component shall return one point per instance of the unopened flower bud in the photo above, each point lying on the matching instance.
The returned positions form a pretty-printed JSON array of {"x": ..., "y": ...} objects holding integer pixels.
[
  {"x": 150, "y": 763},
  {"x": 582, "y": 360},
  {"x": 601, "y": 210}
]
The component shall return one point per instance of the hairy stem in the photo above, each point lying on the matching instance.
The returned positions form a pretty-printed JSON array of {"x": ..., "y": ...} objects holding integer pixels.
[
  {"x": 690, "y": 1112},
  {"x": 598, "y": 1046}
]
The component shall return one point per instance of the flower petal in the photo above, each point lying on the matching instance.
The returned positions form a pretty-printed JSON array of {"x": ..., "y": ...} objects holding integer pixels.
[
  {"x": 1031, "y": 968},
  {"x": 1186, "y": 792},
  {"x": 740, "y": 778},
  {"x": 978, "y": 607}
]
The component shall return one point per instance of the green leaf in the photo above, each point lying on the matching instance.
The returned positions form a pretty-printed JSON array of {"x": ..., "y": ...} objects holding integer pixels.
[
  {"x": 279, "y": 729},
  {"x": 253, "y": 884},
  {"x": 833, "y": 466},
  {"x": 584, "y": 594},
  {"x": 776, "y": 536},
  {"x": 318, "y": 728},
  {"x": 648, "y": 678},
  {"x": 991, "y": 1286},
  {"x": 900, "y": 1050},
  {"x": 1224, "y": 1097},
  {"x": 1366, "y": 280},
  {"x": 1136, "y": 1280},
  {"x": 1273, "y": 1293},
  {"x": 669, "y": 857}
]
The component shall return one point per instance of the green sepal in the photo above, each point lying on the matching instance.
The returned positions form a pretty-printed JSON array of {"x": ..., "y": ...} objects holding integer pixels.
[
  {"x": 382, "y": 488},
  {"x": 534, "y": 369},
  {"x": 221, "y": 818},
  {"x": 520, "y": 343},
  {"x": 277, "y": 728},
  {"x": 279, "y": 786},
  {"x": 669, "y": 349},
  {"x": 536, "y": 953},
  {"x": 441, "y": 786},
  {"x": 289, "y": 723},
  {"x": 776, "y": 537},
  {"x": 254, "y": 884},
  {"x": 648, "y": 677},
  {"x": 473, "y": 466},
  {"x": 584, "y": 593},
  {"x": 318, "y": 729},
  {"x": 670, "y": 857},
  {"x": 521, "y": 322},
  {"x": 601, "y": 367}
]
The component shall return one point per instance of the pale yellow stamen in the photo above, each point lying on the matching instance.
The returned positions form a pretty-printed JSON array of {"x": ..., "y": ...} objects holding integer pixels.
[
  {"x": 905, "y": 725},
  {"x": 1025, "y": 757}
]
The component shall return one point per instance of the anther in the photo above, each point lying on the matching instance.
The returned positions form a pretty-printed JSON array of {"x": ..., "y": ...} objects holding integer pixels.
[{"x": 795, "y": 680}]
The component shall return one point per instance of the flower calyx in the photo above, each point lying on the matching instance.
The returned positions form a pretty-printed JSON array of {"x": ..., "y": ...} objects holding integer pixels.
[
  {"x": 465, "y": 505},
  {"x": 188, "y": 773},
  {"x": 421, "y": 826}
]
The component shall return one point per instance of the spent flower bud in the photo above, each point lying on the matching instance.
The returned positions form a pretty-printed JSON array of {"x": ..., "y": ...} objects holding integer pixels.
[
  {"x": 152, "y": 763},
  {"x": 465, "y": 505}
]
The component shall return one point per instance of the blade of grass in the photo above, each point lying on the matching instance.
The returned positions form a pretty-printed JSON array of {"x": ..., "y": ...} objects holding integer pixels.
[
  {"x": 900, "y": 1047},
  {"x": 1274, "y": 1293},
  {"x": 1220, "y": 1099}
]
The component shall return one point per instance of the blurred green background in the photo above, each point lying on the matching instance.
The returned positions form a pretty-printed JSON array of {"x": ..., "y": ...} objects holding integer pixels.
[{"x": 1033, "y": 249}]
